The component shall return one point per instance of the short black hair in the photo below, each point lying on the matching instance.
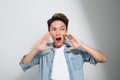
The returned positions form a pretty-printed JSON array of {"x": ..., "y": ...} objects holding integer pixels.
[{"x": 58, "y": 17}]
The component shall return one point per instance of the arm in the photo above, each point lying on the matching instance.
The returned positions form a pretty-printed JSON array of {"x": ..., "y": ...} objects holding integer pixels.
[
  {"x": 96, "y": 54},
  {"x": 40, "y": 46},
  {"x": 28, "y": 58}
]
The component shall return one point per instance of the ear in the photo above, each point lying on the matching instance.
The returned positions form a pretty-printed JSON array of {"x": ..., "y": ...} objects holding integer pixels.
[{"x": 48, "y": 29}]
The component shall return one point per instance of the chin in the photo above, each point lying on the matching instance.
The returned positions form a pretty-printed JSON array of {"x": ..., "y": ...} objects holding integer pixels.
[{"x": 58, "y": 45}]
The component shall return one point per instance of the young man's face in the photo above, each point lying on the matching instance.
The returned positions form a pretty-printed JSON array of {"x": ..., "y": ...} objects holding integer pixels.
[{"x": 57, "y": 29}]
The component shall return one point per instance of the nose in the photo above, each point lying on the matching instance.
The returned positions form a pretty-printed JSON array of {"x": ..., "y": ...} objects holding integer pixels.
[{"x": 57, "y": 33}]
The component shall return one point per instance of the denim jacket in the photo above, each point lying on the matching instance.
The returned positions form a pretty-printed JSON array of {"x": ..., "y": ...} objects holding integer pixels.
[{"x": 74, "y": 58}]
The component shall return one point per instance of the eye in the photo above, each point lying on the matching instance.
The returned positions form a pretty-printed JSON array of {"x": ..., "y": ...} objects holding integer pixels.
[
  {"x": 53, "y": 29},
  {"x": 62, "y": 29}
]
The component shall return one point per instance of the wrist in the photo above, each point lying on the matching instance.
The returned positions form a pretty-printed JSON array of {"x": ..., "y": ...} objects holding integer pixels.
[
  {"x": 83, "y": 45},
  {"x": 36, "y": 50}
]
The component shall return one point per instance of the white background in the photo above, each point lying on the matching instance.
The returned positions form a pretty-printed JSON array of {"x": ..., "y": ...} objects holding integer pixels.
[{"x": 23, "y": 22}]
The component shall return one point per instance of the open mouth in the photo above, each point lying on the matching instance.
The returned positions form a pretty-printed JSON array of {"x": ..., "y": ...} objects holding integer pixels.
[{"x": 58, "y": 39}]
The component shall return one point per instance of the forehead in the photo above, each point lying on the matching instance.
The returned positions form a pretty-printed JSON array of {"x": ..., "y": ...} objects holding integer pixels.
[{"x": 57, "y": 24}]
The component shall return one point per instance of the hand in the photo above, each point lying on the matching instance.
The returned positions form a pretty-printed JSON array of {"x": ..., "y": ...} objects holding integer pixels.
[
  {"x": 96, "y": 54},
  {"x": 75, "y": 43},
  {"x": 41, "y": 45}
]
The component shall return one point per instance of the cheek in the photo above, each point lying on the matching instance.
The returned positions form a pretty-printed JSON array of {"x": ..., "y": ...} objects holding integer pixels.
[
  {"x": 52, "y": 34},
  {"x": 63, "y": 33}
]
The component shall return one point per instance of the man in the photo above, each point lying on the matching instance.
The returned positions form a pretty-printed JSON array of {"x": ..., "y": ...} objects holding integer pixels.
[{"x": 63, "y": 59}]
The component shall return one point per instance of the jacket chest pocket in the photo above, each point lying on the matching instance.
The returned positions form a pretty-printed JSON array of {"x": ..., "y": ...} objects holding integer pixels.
[{"x": 77, "y": 62}]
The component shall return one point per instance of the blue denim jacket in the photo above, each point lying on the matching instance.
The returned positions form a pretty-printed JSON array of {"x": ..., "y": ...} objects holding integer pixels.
[{"x": 74, "y": 58}]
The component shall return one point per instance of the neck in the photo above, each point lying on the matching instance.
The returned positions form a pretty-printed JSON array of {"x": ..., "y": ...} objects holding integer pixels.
[{"x": 56, "y": 46}]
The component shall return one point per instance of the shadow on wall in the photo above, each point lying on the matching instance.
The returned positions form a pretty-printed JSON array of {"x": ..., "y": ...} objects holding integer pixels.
[
  {"x": 104, "y": 20},
  {"x": 31, "y": 74}
]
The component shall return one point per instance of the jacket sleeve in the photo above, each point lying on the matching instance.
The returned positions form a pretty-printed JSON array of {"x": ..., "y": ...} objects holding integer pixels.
[
  {"x": 34, "y": 61},
  {"x": 87, "y": 57}
]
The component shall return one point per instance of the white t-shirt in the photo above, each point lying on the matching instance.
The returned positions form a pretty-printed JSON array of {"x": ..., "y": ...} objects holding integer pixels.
[{"x": 60, "y": 69}]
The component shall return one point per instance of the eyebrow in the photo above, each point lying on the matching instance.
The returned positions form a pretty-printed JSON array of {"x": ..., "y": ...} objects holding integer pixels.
[{"x": 60, "y": 27}]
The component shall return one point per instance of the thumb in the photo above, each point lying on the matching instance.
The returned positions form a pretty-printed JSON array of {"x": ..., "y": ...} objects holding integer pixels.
[
  {"x": 48, "y": 47},
  {"x": 71, "y": 48}
]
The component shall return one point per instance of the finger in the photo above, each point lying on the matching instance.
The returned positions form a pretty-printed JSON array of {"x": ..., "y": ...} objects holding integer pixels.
[
  {"x": 69, "y": 36},
  {"x": 46, "y": 36},
  {"x": 71, "y": 48}
]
